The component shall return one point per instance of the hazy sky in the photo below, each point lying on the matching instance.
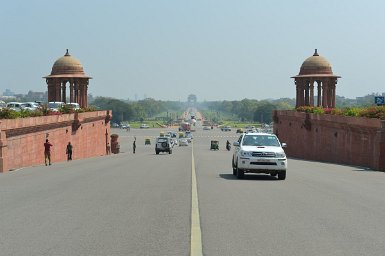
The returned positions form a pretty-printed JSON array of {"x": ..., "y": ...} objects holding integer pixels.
[{"x": 217, "y": 50}]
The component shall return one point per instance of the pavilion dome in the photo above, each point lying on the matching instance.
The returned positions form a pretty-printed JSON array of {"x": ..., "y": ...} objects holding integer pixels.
[
  {"x": 67, "y": 65},
  {"x": 316, "y": 65}
]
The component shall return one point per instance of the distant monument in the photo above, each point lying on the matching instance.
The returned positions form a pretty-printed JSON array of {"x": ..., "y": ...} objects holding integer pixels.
[
  {"x": 192, "y": 100},
  {"x": 65, "y": 70},
  {"x": 316, "y": 69}
]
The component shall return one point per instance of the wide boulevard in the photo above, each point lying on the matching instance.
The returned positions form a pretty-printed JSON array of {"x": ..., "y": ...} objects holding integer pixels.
[{"x": 189, "y": 203}]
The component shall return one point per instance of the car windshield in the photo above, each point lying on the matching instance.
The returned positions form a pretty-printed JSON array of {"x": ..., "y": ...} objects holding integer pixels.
[
  {"x": 162, "y": 140},
  {"x": 260, "y": 140}
]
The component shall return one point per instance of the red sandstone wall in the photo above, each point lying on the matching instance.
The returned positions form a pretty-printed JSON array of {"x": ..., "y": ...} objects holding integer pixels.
[
  {"x": 330, "y": 138},
  {"x": 21, "y": 140}
]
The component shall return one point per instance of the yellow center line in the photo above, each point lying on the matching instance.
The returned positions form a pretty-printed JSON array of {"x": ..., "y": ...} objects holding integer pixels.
[{"x": 196, "y": 234}]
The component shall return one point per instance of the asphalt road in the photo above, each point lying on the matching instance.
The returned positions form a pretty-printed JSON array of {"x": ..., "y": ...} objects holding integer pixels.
[{"x": 140, "y": 204}]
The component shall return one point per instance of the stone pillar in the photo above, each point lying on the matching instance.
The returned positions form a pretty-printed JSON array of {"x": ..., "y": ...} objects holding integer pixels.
[
  {"x": 63, "y": 95},
  {"x": 81, "y": 94},
  {"x": 297, "y": 93},
  {"x": 325, "y": 88},
  {"x": 57, "y": 90},
  {"x": 86, "y": 94},
  {"x": 311, "y": 86},
  {"x": 334, "y": 95},
  {"x": 76, "y": 91}
]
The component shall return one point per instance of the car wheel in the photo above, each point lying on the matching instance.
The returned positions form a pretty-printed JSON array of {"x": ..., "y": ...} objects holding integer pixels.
[
  {"x": 170, "y": 151},
  {"x": 282, "y": 175},
  {"x": 240, "y": 173},
  {"x": 233, "y": 166}
]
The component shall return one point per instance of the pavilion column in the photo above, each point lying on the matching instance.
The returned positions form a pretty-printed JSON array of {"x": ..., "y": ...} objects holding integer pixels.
[
  {"x": 81, "y": 98},
  {"x": 311, "y": 86},
  {"x": 58, "y": 91},
  {"x": 302, "y": 98},
  {"x": 297, "y": 93},
  {"x": 319, "y": 94},
  {"x": 63, "y": 95},
  {"x": 333, "y": 94},
  {"x": 51, "y": 89},
  {"x": 86, "y": 94},
  {"x": 76, "y": 86},
  {"x": 325, "y": 95}
]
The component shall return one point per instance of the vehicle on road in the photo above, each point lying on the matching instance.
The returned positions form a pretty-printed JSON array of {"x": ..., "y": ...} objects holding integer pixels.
[
  {"x": 183, "y": 142},
  {"x": 259, "y": 153},
  {"x": 226, "y": 129},
  {"x": 185, "y": 126},
  {"x": 214, "y": 145},
  {"x": 144, "y": 126},
  {"x": 206, "y": 128},
  {"x": 239, "y": 130},
  {"x": 228, "y": 146},
  {"x": 163, "y": 144}
]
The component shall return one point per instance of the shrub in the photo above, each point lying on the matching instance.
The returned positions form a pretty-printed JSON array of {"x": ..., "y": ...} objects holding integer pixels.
[
  {"x": 351, "y": 111},
  {"x": 370, "y": 112},
  {"x": 373, "y": 112}
]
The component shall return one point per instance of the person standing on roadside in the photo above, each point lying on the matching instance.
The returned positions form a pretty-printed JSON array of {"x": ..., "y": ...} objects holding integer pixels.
[
  {"x": 134, "y": 145},
  {"x": 69, "y": 151},
  {"x": 47, "y": 152}
]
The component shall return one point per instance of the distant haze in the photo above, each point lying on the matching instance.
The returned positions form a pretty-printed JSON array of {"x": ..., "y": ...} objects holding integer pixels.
[{"x": 217, "y": 50}]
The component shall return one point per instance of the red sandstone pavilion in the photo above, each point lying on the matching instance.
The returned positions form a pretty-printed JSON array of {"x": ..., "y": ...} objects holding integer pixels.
[
  {"x": 357, "y": 141},
  {"x": 21, "y": 140},
  {"x": 69, "y": 70}
]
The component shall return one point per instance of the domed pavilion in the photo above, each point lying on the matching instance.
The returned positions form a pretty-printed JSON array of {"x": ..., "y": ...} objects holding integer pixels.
[
  {"x": 68, "y": 69},
  {"x": 316, "y": 69}
]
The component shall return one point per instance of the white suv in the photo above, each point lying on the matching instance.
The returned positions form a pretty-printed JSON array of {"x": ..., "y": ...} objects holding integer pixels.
[{"x": 259, "y": 153}]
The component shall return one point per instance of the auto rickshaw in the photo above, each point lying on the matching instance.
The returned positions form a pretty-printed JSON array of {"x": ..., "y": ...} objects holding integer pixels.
[
  {"x": 214, "y": 145},
  {"x": 147, "y": 141}
]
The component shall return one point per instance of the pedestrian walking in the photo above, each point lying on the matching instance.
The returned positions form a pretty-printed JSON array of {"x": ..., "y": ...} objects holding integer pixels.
[
  {"x": 69, "y": 151},
  {"x": 108, "y": 148},
  {"x": 47, "y": 152},
  {"x": 134, "y": 145}
]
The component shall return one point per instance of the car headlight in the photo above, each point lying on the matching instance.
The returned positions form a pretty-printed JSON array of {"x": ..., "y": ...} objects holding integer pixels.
[
  {"x": 280, "y": 155},
  {"x": 246, "y": 153}
]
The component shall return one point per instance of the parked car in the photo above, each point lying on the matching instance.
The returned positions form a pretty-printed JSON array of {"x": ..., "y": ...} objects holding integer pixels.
[
  {"x": 2, "y": 104},
  {"x": 55, "y": 105},
  {"x": 144, "y": 126},
  {"x": 206, "y": 128},
  {"x": 163, "y": 144},
  {"x": 73, "y": 105},
  {"x": 259, "y": 153},
  {"x": 29, "y": 106},
  {"x": 14, "y": 106}
]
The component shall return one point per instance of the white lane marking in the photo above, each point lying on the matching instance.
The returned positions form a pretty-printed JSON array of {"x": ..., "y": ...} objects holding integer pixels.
[{"x": 196, "y": 234}]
